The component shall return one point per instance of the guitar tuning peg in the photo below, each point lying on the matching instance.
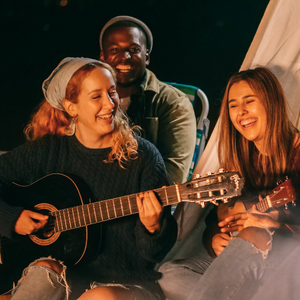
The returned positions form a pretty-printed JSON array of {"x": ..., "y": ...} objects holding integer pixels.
[
  {"x": 196, "y": 184},
  {"x": 225, "y": 200},
  {"x": 294, "y": 203},
  {"x": 214, "y": 202},
  {"x": 278, "y": 182},
  {"x": 285, "y": 206},
  {"x": 195, "y": 176},
  {"x": 286, "y": 177},
  {"x": 208, "y": 173},
  {"x": 201, "y": 203},
  {"x": 221, "y": 170}
]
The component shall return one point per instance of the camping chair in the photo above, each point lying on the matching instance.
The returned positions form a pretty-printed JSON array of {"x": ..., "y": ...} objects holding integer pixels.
[
  {"x": 201, "y": 108},
  {"x": 185, "y": 246}
]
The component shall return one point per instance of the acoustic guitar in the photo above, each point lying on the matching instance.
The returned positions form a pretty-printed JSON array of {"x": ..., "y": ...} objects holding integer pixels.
[{"x": 71, "y": 208}]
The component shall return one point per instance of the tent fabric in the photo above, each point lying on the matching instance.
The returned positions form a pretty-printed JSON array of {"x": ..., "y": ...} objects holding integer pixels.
[{"x": 276, "y": 46}]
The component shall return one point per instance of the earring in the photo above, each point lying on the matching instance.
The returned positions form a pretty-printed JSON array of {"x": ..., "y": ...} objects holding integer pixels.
[{"x": 75, "y": 119}]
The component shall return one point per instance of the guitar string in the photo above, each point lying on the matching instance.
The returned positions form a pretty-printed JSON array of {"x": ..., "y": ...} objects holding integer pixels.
[
  {"x": 265, "y": 202},
  {"x": 50, "y": 224},
  {"x": 110, "y": 213},
  {"x": 118, "y": 210}
]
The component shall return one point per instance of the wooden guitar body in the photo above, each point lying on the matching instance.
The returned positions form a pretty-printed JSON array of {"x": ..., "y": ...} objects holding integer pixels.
[
  {"x": 54, "y": 192},
  {"x": 227, "y": 209}
]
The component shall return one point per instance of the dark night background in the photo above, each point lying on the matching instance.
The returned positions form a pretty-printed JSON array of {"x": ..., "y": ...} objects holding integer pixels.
[{"x": 196, "y": 42}]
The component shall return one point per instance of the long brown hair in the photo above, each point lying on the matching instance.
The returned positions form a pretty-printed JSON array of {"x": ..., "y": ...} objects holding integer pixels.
[
  {"x": 50, "y": 120},
  {"x": 237, "y": 153}
]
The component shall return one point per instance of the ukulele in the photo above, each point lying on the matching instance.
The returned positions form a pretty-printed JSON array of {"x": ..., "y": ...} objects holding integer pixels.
[{"x": 279, "y": 196}]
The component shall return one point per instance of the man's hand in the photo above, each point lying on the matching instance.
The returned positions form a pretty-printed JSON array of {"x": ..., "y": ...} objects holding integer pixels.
[
  {"x": 254, "y": 218},
  {"x": 150, "y": 211},
  {"x": 30, "y": 222},
  {"x": 220, "y": 241}
]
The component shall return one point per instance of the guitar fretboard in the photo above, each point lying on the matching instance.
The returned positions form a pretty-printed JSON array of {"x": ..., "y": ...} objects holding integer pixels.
[
  {"x": 263, "y": 205},
  {"x": 100, "y": 211}
]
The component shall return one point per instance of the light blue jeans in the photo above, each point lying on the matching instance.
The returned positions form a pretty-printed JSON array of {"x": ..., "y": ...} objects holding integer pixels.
[
  {"x": 50, "y": 284},
  {"x": 241, "y": 271},
  {"x": 42, "y": 283},
  {"x": 179, "y": 277}
]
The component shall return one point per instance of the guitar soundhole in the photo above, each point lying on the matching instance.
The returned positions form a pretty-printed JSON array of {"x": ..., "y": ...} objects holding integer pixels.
[{"x": 46, "y": 236}]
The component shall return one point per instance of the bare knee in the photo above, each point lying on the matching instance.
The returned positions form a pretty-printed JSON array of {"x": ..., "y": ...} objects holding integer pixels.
[
  {"x": 107, "y": 293},
  {"x": 259, "y": 237},
  {"x": 51, "y": 264}
]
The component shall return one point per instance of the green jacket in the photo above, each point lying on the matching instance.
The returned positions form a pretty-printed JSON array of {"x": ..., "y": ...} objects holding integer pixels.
[{"x": 167, "y": 118}]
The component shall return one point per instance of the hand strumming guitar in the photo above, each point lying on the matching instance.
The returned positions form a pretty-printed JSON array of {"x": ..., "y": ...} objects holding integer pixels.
[
  {"x": 30, "y": 222},
  {"x": 253, "y": 218},
  {"x": 239, "y": 221},
  {"x": 150, "y": 211}
]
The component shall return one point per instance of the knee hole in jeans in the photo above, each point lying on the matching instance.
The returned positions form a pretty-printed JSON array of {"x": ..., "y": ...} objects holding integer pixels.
[{"x": 51, "y": 264}]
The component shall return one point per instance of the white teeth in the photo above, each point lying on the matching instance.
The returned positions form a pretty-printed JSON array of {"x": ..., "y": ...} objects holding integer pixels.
[
  {"x": 247, "y": 122},
  {"x": 123, "y": 67},
  {"x": 105, "y": 117}
]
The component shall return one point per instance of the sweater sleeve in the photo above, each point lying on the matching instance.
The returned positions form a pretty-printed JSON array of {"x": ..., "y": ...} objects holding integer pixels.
[
  {"x": 8, "y": 213},
  {"x": 154, "y": 247},
  {"x": 20, "y": 165}
]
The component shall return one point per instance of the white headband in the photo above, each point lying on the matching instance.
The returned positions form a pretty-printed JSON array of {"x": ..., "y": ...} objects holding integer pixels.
[{"x": 54, "y": 87}]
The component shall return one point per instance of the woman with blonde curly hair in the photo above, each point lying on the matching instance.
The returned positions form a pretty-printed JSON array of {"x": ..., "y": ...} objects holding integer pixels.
[{"x": 78, "y": 129}]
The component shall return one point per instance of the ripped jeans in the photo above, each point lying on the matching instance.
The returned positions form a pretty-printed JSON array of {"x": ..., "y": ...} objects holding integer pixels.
[
  {"x": 242, "y": 271},
  {"x": 50, "y": 284},
  {"x": 41, "y": 283}
]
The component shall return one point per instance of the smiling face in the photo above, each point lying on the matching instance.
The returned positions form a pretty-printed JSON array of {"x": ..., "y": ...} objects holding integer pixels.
[
  {"x": 96, "y": 108},
  {"x": 124, "y": 48},
  {"x": 247, "y": 113}
]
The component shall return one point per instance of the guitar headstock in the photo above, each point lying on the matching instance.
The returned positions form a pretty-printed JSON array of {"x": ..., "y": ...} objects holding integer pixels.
[
  {"x": 212, "y": 187},
  {"x": 282, "y": 194}
]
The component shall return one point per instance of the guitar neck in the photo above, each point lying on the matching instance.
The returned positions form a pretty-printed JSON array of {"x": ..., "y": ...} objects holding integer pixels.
[
  {"x": 210, "y": 188},
  {"x": 100, "y": 211},
  {"x": 263, "y": 205},
  {"x": 281, "y": 195}
]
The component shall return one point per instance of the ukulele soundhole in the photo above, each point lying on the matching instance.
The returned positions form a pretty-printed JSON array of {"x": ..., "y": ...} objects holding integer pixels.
[{"x": 46, "y": 236}]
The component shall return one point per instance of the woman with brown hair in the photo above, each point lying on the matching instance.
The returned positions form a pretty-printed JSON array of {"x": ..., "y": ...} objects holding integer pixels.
[
  {"x": 258, "y": 140},
  {"x": 79, "y": 130}
]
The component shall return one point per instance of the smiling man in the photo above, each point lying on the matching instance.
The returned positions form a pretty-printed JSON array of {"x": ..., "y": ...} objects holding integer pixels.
[{"x": 164, "y": 113}]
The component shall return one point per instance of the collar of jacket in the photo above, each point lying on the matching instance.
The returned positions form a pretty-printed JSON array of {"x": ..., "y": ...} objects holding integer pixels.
[{"x": 149, "y": 83}]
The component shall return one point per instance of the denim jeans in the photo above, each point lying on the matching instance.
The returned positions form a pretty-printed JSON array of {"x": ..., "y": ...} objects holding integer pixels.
[
  {"x": 41, "y": 283},
  {"x": 180, "y": 276},
  {"x": 241, "y": 271}
]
